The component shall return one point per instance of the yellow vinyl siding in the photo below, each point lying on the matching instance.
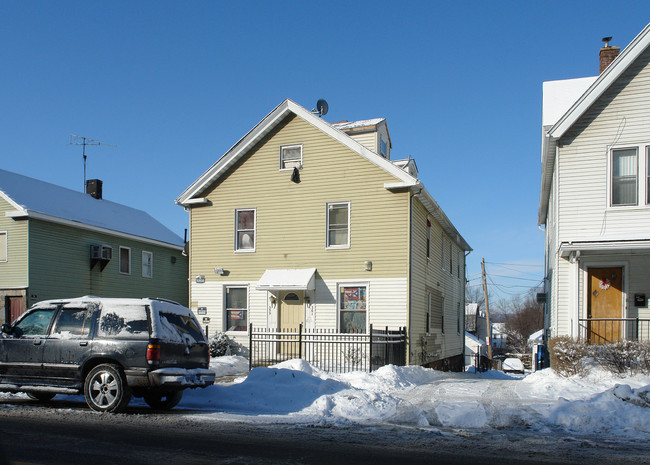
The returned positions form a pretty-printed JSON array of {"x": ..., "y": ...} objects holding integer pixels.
[
  {"x": 429, "y": 275},
  {"x": 13, "y": 272},
  {"x": 291, "y": 218},
  {"x": 368, "y": 140}
]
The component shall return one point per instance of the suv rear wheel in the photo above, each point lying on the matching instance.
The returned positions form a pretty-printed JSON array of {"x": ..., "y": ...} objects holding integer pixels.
[
  {"x": 163, "y": 400},
  {"x": 106, "y": 390}
]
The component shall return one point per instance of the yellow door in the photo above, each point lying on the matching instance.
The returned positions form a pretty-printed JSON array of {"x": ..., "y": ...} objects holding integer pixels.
[
  {"x": 290, "y": 317},
  {"x": 605, "y": 301}
]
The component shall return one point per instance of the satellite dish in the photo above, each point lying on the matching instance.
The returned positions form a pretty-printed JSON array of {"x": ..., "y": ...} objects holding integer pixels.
[{"x": 322, "y": 107}]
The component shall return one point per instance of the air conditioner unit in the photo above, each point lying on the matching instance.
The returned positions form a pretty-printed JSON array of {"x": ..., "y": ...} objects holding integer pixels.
[
  {"x": 107, "y": 252},
  {"x": 95, "y": 252}
]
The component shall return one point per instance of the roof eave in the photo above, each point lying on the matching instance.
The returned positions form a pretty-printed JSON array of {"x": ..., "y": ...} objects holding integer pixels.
[{"x": 263, "y": 128}]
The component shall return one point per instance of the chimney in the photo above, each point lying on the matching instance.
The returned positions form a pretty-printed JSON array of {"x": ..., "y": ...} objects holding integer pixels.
[
  {"x": 94, "y": 188},
  {"x": 607, "y": 54}
]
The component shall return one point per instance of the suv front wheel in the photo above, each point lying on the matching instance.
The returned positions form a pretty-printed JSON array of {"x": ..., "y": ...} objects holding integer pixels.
[{"x": 106, "y": 390}]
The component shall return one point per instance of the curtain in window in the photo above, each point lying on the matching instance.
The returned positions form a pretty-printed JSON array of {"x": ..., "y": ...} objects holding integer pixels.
[{"x": 624, "y": 169}]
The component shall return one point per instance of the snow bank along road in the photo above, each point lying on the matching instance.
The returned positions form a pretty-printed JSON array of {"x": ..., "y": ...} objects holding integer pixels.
[{"x": 538, "y": 418}]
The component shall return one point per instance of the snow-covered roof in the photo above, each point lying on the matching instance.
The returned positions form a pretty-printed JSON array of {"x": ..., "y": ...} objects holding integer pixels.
[
  {"x": 558, "y": 96},
  {"x": 33, "y": 198},
  {"x": 537, "y": 336},
  {"x": 348, "y": 125},
  {"x": 471, "y": 337}
]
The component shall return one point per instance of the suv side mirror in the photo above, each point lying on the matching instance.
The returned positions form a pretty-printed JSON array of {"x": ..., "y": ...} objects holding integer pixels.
[{"x": 6, "y": 328}]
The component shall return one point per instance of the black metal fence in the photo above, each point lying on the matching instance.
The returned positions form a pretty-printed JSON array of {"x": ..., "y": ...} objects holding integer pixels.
[
  {"x": 328, "y": 350},
  {"x": 607, "y": 330}
]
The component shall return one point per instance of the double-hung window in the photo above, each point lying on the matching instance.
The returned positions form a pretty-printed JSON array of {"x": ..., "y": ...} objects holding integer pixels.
[
  {"x": 125, "y": 260},
  {"x": 624, "y": 173},
  {"x": 147, "y": 264},
  {"x": 290, "y": 157},
  {"x": 236, "y": 308},
  {"x": 338, "y": 225},
  {"x": 352, "y": 308},
  {"x": 245, "y": 230},
  {"x": 3, "y": 246}
]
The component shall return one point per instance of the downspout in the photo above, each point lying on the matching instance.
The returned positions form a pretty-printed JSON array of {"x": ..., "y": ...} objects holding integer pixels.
[{"x": 410, "y": 280}]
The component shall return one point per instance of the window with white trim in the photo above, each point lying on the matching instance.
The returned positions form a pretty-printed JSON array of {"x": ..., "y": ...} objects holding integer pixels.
[
  {"x": 125, "y": 260},
  {"x": 236, "y": 307},
  {"x": 338, "y": 225},
  {"x": 290, "y": 157},
  {"x": 624, "y": 174},
  {"x": 245, "y": 221},
  {"x": 147, "y": 264},
  {"x": 352, "y": 308},
  {"x": 3, "y": 246}
]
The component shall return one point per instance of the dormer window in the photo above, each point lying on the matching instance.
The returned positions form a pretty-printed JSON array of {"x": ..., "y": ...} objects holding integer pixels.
[
  {"x": 290, "y": 157},
  {"x": 384, "y": 148}
]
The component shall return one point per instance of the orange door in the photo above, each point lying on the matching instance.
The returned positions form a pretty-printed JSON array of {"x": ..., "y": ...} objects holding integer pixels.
[{"x": 605, "y": 302}]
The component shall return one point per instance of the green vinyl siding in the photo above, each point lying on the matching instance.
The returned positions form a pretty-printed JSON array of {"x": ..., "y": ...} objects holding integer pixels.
[
  {"x": 291, "y": 218},
  {"x": 13, "y": 271},
  {"x": 59, "y": 266}
]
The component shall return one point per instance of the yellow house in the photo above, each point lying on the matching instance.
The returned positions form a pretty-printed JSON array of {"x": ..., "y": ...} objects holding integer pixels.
[{"x": 304, "y": 221}]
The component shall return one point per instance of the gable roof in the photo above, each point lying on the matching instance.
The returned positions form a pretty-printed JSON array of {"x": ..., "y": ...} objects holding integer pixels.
[
  {"x": 190, "y": 195},
  {"x": 582, "y": 103},
  {"x": 42, "y": 200}
]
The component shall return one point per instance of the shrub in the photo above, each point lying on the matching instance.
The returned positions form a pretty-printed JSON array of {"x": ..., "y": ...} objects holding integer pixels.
[
  {"x": 569, "y": 357},
  {"x": 219, "y": 345}
]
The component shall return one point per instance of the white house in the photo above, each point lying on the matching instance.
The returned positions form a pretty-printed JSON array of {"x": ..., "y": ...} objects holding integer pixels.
[{"x": 595, "y": 198}]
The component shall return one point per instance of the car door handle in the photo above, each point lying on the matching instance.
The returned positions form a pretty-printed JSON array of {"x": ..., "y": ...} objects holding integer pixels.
[
  {"x": 83, "y": 343},
  {"x": 37, "y": 341}
]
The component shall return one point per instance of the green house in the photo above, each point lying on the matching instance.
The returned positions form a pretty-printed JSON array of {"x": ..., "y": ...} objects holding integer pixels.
[{"x": 58, "y": 243}]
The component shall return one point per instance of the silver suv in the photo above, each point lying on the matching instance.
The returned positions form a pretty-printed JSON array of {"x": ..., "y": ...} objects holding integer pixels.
[{"x": 107, "y": 349}]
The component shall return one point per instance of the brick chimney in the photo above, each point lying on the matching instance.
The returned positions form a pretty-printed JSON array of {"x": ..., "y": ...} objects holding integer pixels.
[{"x": 607, "y": 54}]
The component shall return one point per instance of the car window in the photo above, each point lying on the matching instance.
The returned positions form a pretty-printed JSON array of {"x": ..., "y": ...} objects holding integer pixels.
[
  {"x": 72, "y": 322},
  {"x": 124, "y": 321},
  {"x": 34, "y": 323},
  {"x": 181, "y": 325}
]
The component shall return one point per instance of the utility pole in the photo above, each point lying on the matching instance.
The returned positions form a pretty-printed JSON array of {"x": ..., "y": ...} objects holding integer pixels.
[{"x": 487, "y": 312}]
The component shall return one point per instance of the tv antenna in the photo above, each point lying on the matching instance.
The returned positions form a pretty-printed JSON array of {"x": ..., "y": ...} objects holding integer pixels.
[
  {"x": 321, "y": 108},
  {"x": 83, "y": 141}
]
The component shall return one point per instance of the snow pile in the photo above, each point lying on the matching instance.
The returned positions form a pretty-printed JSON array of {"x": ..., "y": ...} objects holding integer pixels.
[{"x": 297, "y": 392}]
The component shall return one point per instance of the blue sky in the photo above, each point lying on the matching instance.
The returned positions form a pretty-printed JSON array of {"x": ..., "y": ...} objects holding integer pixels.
[{"x": 175, "y": 84}]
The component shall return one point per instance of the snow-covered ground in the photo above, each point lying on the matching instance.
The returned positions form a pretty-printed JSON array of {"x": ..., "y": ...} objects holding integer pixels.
[{"x": 296, "y": 392}]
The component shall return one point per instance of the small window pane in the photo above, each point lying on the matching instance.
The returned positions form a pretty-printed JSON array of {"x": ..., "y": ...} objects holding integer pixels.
[
  {"x": 290, "y": 157},
  {"x": 147, "y": 264},
  {"x": 236, "y": 309},
  {"x": 125, "y": 260},
  {"x": 338, "y": 227},
  {"x": 3, "y": 246},
  {"x": 245, "y": 220},
  {"x": 353, "y": 309},
  {"x": 624, "y": 172}
]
